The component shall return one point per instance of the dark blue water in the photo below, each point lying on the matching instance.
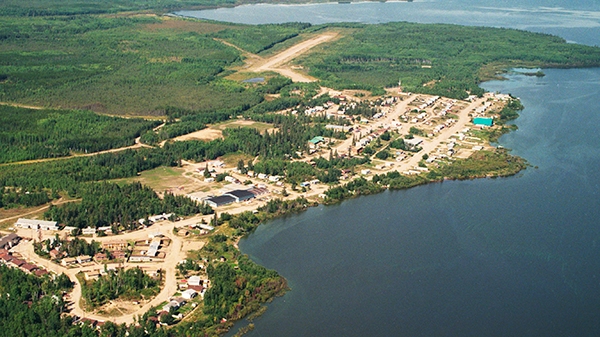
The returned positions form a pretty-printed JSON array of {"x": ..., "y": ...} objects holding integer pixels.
[{"x": 493, "y": 257}]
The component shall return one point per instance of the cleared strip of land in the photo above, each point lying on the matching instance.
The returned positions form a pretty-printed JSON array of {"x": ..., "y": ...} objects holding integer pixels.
[{"x": 277, "y": 63}]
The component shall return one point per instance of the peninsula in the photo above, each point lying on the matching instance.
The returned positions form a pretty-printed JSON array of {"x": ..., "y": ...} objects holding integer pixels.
[{"x": 140, "y": 147}]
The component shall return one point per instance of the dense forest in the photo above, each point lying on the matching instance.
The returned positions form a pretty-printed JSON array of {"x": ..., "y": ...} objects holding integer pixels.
[
  {"x": 69, "y": 174},
  {"x": 438, "y": 59},
  {"x": 32, "y": 306},
  {"x": 33, "y": 134},
  {"x": 120, "y": 206}
]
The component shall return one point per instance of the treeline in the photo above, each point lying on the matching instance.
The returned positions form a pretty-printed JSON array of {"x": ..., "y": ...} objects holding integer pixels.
[
  {"x": 510, "y": 111},
  {"x": 128, "y": 284},
  {"x": 438, "y": 59},
  {"x": 35, "y": 308},
  {"x": 33, "y": 134},
  {"x": 120, "y": 206},
  {"x": 276, "y": 207},
  {"x": 296, "y": 172}
]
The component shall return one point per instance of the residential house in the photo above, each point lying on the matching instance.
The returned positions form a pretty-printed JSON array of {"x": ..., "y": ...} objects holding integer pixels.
[
  {"x": 68, "y": 261},
  {"x": 92, "y": 274},
  {"x": 9, "y": 241},
  {"x": 5, "y": 256},
  {"x": 40, "y": 272},
  {"x": 205, "y": 226},
  {"x": 84, "y": 258},
  {"x": 189, "y": 294},
  {"x": 55, "y": 254},
  {"x": 140, "y": 258},
  {"x": 174, "y": 303},
  {"x": 17, "y": 263},
  {"x": 28, "y": 268},
  {"x": 194, "y": 281},
  {"x": 115, "y": 245},
  {"x": 100, "y": 257},
  {"x": 118, "y": 255}
]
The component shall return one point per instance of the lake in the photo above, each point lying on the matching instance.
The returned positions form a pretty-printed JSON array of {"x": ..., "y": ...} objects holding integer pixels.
[{"x": 516, "y": 256}]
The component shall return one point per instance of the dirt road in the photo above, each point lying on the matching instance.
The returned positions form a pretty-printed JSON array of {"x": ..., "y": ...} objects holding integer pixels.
[
  {"x": 175, "y": 253},
  {"x": 137, "y": 144},
  {"x": 430, "y": 145},
  {"x": 43, "y": 208}
]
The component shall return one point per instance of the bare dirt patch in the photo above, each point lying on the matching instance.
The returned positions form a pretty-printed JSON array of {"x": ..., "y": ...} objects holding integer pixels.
[
  {"x": 118, "y": 308},
  {"x": 205, "y": 134},
  {"x": 170, "y": 179},
  {"x": 261, "y": 127}
]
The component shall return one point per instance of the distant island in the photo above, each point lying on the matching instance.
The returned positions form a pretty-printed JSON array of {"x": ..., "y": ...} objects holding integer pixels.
[{"x": 140, "y": 147}]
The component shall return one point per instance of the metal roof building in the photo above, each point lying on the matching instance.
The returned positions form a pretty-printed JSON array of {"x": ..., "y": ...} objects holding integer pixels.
[
  {"x": 35, "y": 224},
  {"x": 220, "y": 200},
  {"x": 240, "y": 195}
]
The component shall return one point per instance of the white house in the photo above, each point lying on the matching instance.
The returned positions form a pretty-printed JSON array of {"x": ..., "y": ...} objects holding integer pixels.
[
  {"x": 84, "y": 258},
  {"x": 189, "y": 294},
  {"x": 194, "y": 281}
]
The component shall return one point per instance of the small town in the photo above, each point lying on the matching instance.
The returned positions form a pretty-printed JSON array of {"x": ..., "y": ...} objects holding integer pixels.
[
  {"x": 440, "y": 130},
  {"x": 165, "y": 175}
]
